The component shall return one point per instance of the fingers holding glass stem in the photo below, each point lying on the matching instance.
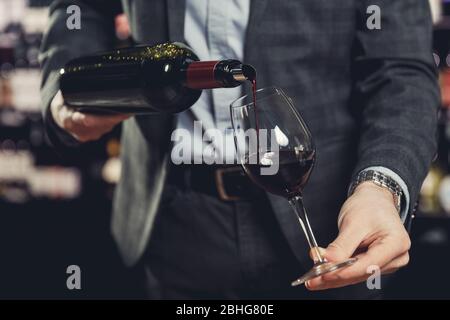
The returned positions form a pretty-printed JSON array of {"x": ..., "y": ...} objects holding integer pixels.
[{"x": 321, "y": 266}]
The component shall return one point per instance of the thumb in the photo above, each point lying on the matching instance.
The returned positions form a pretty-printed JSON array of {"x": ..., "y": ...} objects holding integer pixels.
[{"x": 344, "y": 245}]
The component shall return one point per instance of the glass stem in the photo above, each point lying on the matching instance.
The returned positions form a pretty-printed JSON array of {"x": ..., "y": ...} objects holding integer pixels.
[{"x": 297, "y": 204}]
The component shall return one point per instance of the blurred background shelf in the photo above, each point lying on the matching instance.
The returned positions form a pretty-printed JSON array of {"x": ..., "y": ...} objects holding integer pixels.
[
  {"x": 426, "y": 276},
  {"x": 54, "y": 207}
]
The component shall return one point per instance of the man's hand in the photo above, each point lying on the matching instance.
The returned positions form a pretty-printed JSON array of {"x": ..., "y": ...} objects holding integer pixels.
[
  {"x": 369, "y": 229},
  {"x": 83, "y": 127}
]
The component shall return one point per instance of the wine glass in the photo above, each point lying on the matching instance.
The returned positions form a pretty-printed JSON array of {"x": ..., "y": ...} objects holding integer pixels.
[{"x": 276, "y": 150}]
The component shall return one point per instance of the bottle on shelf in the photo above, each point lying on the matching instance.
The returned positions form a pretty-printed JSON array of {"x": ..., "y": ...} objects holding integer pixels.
[{"x": 165, "y": 78}]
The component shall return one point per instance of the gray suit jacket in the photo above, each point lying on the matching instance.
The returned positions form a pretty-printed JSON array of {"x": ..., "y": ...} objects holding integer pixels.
[{"x": 370, "y": 97}]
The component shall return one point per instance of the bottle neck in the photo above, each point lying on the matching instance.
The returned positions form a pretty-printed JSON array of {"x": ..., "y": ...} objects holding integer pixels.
[{"x": 218, "y": 74}]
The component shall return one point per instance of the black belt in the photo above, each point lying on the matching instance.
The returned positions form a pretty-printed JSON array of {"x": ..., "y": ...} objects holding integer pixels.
[{"x": 228, "y": 183}]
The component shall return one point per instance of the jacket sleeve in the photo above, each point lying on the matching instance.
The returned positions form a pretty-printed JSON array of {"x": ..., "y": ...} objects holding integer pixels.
[
  {"x": 60, "y": 44},
  {"x": 396, "y": 90}
]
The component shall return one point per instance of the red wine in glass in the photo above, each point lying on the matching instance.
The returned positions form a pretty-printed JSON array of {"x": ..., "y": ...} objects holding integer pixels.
[{"x": 294, "y": 169}]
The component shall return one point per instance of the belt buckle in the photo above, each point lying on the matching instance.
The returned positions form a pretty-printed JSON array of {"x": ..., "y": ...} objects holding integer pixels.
[{"x": 223, "y": 195}]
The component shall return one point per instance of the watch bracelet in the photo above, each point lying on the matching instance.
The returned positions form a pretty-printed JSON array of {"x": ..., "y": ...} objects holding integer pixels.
[{"x": 381, "y": 180}]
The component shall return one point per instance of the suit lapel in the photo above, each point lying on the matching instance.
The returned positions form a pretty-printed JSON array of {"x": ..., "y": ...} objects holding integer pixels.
[
  {"x": 161, "y": 125},
  {"x": 175, "y": 17},
  {"x": 257, "y": 8},
  {"x": 285, "y": 216}
]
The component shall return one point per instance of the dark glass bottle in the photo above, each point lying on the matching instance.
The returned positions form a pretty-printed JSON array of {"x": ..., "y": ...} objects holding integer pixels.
[{"x": 146, "y": 79}]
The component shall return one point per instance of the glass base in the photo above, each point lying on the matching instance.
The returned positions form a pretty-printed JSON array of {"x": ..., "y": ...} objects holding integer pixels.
[{"x": 322, "y": 268}]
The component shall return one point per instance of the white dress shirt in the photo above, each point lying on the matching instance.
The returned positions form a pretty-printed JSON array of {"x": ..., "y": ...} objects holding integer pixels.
[{"x": 215, "y": 30}]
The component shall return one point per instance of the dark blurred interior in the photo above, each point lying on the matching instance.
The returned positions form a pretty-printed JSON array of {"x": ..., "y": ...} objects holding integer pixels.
[{"x": 55, "y": 209}]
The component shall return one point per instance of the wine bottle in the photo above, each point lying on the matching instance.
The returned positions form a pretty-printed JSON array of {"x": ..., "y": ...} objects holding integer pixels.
[{"x": 165, "y": 78}]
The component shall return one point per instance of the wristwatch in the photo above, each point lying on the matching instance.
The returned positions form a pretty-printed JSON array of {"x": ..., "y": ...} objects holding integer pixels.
[{"x": 381, "y": 180}]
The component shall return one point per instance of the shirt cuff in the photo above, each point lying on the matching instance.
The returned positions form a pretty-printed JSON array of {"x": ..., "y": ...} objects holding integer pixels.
[{"x": 406, "y": 199}]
